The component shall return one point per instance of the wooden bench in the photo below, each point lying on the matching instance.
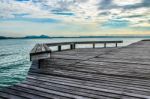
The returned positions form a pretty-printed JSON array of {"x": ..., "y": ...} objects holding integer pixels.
[{"x": 39, "y": 53}]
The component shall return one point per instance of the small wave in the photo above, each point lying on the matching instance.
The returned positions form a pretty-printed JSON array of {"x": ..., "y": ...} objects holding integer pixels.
[
  {"x": 13, "y": 62},
  {"x": 8, "y": 54},
  {"x": 11, "y": 66}
]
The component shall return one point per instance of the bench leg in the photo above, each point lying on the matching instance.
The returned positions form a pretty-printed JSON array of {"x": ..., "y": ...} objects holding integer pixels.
[
  {"x": 93, "y": 45},
  {"x": 104, "y": 45},
  {"x": 40, "y": 63}
]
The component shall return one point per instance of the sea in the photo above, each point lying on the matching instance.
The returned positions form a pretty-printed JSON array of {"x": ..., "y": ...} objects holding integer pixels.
[{"x": 14, "y": 55}]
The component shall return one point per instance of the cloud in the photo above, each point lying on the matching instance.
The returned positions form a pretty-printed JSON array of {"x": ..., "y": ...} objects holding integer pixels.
[
  {"x": 115, "y": 24},
  {"x": 10, "y": 7},
  {"x": 107, "y": 4},
  {"x": 134, "y": 16},
  {"x": 124, "y": 4},
  {"x": 36, "y": 20},
  {"x": 104, "y": 13},
  {"x": 64, "y": 13},
  {"x": 97, "y": 14},
  {"x": 144, "y": 3}
]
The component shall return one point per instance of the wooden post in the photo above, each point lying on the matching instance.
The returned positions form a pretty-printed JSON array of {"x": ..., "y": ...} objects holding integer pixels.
[
  {"x": 116, "y": 44},
  {"x": 74, "y": 46},
  {"x": 93, "y": 45},
  {"x": 39, "y": 64},
  {"x": 59, "y": 47},
  {"x": 104, "y": 45},
  {"x": 71, "y": 46}
]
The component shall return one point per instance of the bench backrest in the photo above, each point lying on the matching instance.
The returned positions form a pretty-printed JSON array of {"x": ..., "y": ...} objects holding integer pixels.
[{"x": 40, "y": 51}]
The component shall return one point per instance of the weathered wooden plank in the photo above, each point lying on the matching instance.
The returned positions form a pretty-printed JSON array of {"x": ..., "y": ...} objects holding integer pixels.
[
  {"x": 40, "y": 56},
  {"x": 103, "y": 79},
  {"x": 106, "y": 68},
  {"x": 101, "y": 84},
  {"x": 83, "y": 52},
  {"x": 121, "y": 60},
  {"x": 10, "y": 96},
  {"x": 21, "y": 94},
  {"x": 77, "y": 75},
  {"x": 94, "y": 64},
  {"x": 71, "y": 89},
  {"x": 115, "y": 92},
  {"x": 79, "y": 85},
  {"x": 47, "y": 89},
  {"x": 72, "y": 57},
  {"x": 3, "y": 97},
  {"x": 38, "y": 92}
]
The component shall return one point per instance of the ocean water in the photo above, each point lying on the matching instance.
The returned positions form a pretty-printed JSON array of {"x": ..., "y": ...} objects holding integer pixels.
[{"x": 14, "y": 55}]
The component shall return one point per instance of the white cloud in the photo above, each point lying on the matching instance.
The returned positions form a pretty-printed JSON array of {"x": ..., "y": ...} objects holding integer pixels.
[
  {"x": 126, "y": 2},
  {"x": 85, "y": 14},
  {"x": 83, "y": 9},
  {"x": 10, "y": 7},
  {"x": 141, "y": 24}
]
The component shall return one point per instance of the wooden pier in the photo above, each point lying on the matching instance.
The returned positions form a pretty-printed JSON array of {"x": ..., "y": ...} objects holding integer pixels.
[{"x": 86, "y": 73}]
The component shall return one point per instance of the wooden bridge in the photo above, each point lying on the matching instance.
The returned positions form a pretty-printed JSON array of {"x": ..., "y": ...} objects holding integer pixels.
[{"x": 87, "y": 73}]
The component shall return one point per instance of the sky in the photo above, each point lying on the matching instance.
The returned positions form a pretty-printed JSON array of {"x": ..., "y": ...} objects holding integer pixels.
[{"x": 74, "y": 17}]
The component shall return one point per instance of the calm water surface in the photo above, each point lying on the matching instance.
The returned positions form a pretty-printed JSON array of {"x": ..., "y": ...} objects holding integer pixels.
[{"x": 14, "y": 55}]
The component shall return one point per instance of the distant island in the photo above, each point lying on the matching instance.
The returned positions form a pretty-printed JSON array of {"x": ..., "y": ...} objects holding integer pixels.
[
  {"x": 48, "y": 37},
  {"x": 26, "y": 37},
  {"x": 36, "y": 37}
]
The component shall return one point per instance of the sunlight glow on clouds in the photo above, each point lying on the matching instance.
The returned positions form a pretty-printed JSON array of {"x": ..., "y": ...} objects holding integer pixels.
[{"x": 74, "y": 17}]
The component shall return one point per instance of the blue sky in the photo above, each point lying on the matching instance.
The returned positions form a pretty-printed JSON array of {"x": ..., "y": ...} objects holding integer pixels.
[{"x": 74, "y": 17}]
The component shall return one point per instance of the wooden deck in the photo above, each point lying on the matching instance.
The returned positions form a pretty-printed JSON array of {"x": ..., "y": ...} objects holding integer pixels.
[{"x": 94, "y": 73}]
